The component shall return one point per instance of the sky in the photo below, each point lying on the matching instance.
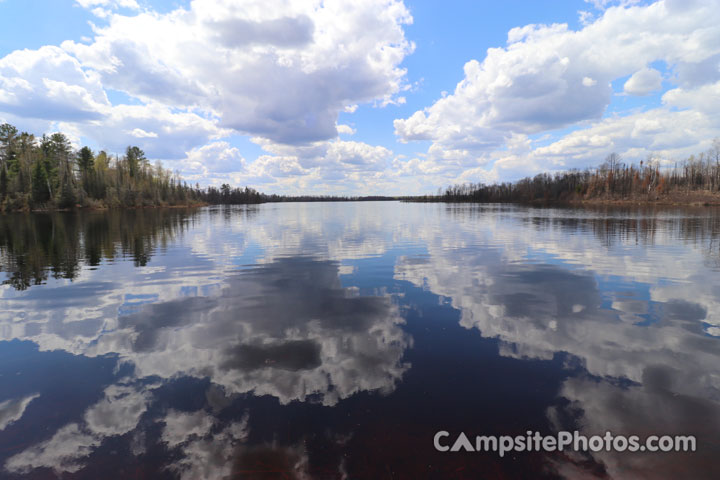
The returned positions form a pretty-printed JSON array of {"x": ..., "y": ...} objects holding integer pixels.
[{"x": 372, "y": 97}]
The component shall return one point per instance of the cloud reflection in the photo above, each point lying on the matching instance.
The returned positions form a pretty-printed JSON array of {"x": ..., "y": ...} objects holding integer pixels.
[
  {"x": 12, "y": 410},
  {"x": 552, "y": 286},
  {"x": 205, "y": 453},
  {"x": 632, "y": 301},
  {"x": 288, "y": 329},
  {"x": 62, "y": 452}
]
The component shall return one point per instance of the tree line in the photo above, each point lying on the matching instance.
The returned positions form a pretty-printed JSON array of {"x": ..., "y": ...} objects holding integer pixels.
[
  {"x": 227, "y": 195},
  {"x": 235, "y": 196},
  {"x": 47, "y": 173},
  {"x": 695, "y": 177}
]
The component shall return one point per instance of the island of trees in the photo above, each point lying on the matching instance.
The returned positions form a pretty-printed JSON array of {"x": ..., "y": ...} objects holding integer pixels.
[{"x": 46, "y": 173}]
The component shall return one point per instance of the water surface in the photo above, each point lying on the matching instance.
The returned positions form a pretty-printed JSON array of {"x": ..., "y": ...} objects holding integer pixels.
[{"x": 332, "y": 340}]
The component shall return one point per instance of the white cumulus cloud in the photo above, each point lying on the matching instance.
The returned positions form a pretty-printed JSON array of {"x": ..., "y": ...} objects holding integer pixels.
[
  {"x": 279, "y": 70},
  {"x": 643, "y": 82},
  {"x": 549, "y": 77}
]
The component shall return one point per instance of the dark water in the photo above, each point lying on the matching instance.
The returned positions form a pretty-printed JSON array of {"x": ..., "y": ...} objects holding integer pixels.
[{"x": 332, "y": 340}]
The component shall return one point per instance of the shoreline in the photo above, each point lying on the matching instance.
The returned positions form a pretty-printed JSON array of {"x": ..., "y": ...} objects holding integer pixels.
[
  {"x": 698, "y": 198},
  {"x": 637, "y": 203},
  {"x": 100, "y": 209},
  {"x": 694, "y": 199},
  {"x": 702, "y": 200}
]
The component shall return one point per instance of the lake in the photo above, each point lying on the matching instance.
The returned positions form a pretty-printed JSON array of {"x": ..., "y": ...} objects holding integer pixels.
[{"x": 334, "y": 340}]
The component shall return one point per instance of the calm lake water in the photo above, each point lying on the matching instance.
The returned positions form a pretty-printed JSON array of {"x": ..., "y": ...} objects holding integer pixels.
[{"x": 333, "y": 340}]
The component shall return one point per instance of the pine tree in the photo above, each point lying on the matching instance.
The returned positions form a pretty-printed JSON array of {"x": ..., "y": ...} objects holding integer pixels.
[
  {"x": 3, "y": 183},
  {"x": 40, "y": 189},
  {"x": 86, "y": 160},
  {"x": 135, "y": 157},
  {"x": 67, "y": 195}
]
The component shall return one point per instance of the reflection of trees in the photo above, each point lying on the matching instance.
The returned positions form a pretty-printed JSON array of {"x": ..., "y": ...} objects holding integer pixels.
[
  {"x": 611, "y": 226},
  {"x": 696, "y": 227},
  {"x": 34, "y": 247}
]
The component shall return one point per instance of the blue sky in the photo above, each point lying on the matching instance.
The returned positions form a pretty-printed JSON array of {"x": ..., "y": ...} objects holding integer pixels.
[{"x": 383, "y": 97}]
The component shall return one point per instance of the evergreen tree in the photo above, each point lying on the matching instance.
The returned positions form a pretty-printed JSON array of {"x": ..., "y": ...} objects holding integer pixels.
[
  {"x": 67, "y": 195},
  {"x": 40, "y": 190},
  {"x": 8, "y": 135},
  {"x": 8, "y": 151},
  {"x": 86, "y": 160},
  {"x": 3, "y": 183},
  {"x": 134, "y": 157}
]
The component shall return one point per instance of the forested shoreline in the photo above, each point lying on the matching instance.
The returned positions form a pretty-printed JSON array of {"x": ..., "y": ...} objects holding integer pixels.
[
  {"x": 695, "y": 180},
  {"x": 46, "y": 173}
]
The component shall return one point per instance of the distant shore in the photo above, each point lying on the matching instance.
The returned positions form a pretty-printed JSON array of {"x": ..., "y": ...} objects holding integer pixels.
[
  {"x": 101, "y": 208},
  {"x": 680, "y": 199},
  {"x": 693, "y": 199}
]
